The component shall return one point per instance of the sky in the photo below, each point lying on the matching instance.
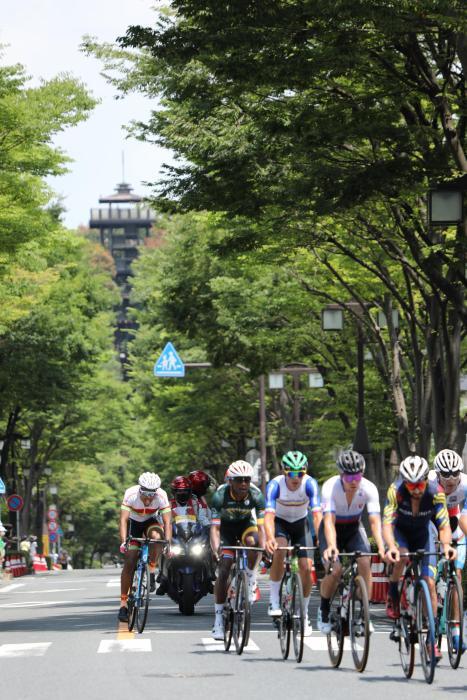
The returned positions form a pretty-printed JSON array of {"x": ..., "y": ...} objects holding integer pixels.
[{"x": 44, "y": 36}]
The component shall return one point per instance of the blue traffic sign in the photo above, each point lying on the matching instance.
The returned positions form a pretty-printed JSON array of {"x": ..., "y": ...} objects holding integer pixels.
[
  {"x": 2, "y": 487},
  {"x": 52, "y": 537},
  {"x": 169, "y": 363}
]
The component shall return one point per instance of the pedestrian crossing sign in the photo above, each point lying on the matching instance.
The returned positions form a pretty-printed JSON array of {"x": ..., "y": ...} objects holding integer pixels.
[{"x": 169, "y": 363}]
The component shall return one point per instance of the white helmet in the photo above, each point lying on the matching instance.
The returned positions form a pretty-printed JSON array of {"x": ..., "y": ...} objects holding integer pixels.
[
  {"x": 414, "y": 468},
  {"x": 239, "y": 468},
  {"x": 448, "y": 463},
  {"x": 149, "y": 482}
]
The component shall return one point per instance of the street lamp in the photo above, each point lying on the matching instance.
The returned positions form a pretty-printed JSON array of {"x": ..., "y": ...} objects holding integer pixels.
[
  {"x": 446, "y": 202},
  {"x": 332, "y": 319}
]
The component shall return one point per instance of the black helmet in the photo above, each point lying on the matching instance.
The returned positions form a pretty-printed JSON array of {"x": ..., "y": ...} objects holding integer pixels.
[{"x": 350, "y": 462}]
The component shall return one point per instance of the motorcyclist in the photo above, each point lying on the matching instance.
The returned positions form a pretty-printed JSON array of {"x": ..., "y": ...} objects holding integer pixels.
[{"x": 186, "y": 509}]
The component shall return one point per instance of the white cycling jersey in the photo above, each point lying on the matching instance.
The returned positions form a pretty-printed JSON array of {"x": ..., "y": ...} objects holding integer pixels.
[
  {"x": 292, "y": 505},
  {"x": 455, "y": 500},
  {"x": 334, "y": 500},
  {"x": 138, "y": 511}
]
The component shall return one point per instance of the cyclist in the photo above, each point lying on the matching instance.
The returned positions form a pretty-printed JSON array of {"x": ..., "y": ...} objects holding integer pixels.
[
  {"x": 343, "y": 499},
  {"x": 186, "y": 510},
  {"x": 232, "y": 522},
  {"x": 412, "y": 502},
  {"x": 448, "y": 473},
  {"x": 288, "y": 498},
  {"x": 138, "y": 517}
]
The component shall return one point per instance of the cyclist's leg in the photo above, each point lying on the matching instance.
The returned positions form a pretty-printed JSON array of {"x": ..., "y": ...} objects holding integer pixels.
[
  {"x": 250, "y": 538},
  {"x": 301, "y": 535},
  {"x": 229, "y": 536},
  {"x": 358, "y": 542},
  {"x": 155, "y": 531},
  {"x": 392, "y": 603},
  {"x": 277, "y": 568},
  {"x": 329, "y": 583},
  {"x": 460, "y": 563},
  {"x": 135, "y": 529},
  {"x": 429, "y": 565}
]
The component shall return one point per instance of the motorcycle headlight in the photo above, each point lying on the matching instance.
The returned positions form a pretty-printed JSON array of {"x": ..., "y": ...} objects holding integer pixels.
[
  {"x": 176, "y": 549},
  {"x": 197, "y": 549}
]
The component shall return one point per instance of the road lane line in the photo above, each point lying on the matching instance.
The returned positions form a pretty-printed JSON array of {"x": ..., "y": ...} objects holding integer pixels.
[
  {"x": 10, "y": 587},
  {"x": 57, "y": 590},
  {"x": 113, "y": 582},
  {"x": 211, "y": 644},
  {"x": 321, "y": 644},
  {"x": 107, "y": 646},
  {"x": 35, "y": 604},
  {"x": 33, "y": 649}
]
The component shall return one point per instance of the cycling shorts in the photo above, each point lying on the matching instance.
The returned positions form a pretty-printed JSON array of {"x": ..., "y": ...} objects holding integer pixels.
[
  {"x": 137, "y": 529},
  {"x": 234, "y": 532},
  {"x": 416, "y": 539},
  {"x": 349, "y": 538},
  {"x": 297, "y": 532}
]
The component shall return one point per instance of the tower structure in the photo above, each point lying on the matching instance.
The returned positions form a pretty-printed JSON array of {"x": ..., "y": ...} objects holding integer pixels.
[{"x": 124, "y": 224}]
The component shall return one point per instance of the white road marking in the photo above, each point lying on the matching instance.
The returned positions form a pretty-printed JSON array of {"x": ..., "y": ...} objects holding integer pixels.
[
  {"x": 35, "y": 649},
  {"x": 107, "y": 646},
  {"x": 10, "y": 587},
  {"x": 35, "y": 604},
  {"x": 321, "y": 643},
  {"x": 211, "y": 644},
  {"x": 113, "y": 582},
  {"x": 57, "y": 590}
]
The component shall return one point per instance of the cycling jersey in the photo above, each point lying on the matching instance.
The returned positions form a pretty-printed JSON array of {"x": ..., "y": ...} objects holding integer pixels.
[
  {"x": 192, "y": 512},
  {"x": 398, "y": 508},
  {"x": 334, "y": 500},
  {"x": 225, "y": 509},
  {"x": 455, "y": 499},
  {"x": 138, "y": 511},
  {"x": 292, "y": 505}
]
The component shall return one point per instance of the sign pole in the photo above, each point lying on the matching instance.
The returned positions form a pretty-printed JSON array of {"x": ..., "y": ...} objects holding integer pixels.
[{"x": 17, "y": 528}]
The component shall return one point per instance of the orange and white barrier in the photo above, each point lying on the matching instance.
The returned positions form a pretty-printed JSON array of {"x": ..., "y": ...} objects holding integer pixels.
[
  {"x": 380, "y": 580},
  {"x": 39, "y": 563},
  {"x": 15, "y": 565}
]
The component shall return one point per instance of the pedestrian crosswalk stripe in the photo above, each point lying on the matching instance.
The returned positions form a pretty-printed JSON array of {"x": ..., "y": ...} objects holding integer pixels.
[
  {"x": 107, "y": 646},
  {"x": 11, "y": 587},
  {"x": 211, "y": 644},
  {"x": 113, "y": 582},
  {"x": 321, "y": 643},
  {"x": 35, "y": 604},
  {"x": 33, "y": 649}
]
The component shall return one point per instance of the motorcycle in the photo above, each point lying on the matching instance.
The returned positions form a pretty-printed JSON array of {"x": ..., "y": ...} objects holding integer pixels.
[{"x": 189, "y": 566}]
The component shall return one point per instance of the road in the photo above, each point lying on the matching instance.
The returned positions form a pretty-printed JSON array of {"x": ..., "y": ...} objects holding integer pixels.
[{"x": 59, "y": 636}]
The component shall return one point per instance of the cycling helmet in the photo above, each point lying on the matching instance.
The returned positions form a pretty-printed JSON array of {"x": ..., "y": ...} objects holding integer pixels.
[
  {"x": 351, "y": 462},
  {"x": 414, "y": 468},
  {"x": 181, "y": 489},
  {"x": 239, "y": 468},
  {"x": 294, "y": 461},
  {"x": 448, "y": 463},
  {"x": 199, "y": 482},
  {"x": 149, "y": 482}
]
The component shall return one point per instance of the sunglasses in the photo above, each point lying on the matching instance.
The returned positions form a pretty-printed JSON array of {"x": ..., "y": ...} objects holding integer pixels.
[
  {"x": 418, "y": 485},
  {"x": 453, "y": 479},
  {"x": 295, "y": 475},
  {"x": 241, "y": 479},
  {"x": 147, "y": 494},
  {"x": 349, "y": 478}
]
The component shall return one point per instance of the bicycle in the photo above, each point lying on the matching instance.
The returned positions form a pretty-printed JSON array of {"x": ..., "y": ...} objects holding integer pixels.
[
  {"x": 237, "y": 608},
  {"x": 292, "y": 619},
  {"x": 416, "y": 621},
  {"x": 349, "y": 615},
  {"x": 450, "y": 611},
  {"x": 138, "y": 598}
]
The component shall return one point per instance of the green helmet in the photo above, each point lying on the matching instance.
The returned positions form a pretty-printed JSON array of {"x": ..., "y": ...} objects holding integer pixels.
[{"x": 294, "y": 461}]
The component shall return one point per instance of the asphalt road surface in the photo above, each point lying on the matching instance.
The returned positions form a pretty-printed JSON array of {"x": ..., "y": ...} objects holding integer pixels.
[{"x": 60, "y": 638}]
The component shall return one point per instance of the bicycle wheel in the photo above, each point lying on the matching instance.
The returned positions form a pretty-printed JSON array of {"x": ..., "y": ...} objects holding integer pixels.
[
  {"x": 131, "y": 601},
  {"x": 425, "y": 630},
  {"x": 454, "y": 619},
  {"x": 406, "y": 632},
  {"x": 143, "y": 599},
  {"x": 297, "y": 617},
  {"x": 284, "y": 620},
  {"x": 241, "y": 622},
  {"x": 359, "y": 623},
  {"x": 336, "y": 637}
]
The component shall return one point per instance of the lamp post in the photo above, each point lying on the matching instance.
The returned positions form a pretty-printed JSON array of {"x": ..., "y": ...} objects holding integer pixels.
[
  {"x": 332, "y": 319},
  {"x": 276, "y": 381}
]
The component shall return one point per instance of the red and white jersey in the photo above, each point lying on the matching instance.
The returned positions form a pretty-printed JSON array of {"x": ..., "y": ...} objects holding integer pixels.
[
  {"x": 138, "y": 511},
  {"x": 193, "y": 511}
]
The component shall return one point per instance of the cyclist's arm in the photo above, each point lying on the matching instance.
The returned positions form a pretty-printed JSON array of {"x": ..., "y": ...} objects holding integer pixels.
[
  {"x": 124, "y": 517},
  {"x": 330, "y": 530},
  {"x": 215, "y": 538},
  {"x": 375, "y": 526},
  {"x": 463, "y": 522},
  {"x": 312, "y": 492},
  {"x": 272, "y": 492},
  {"x": 389, "y": 517},
  {"x": 167, "y": 523}
]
